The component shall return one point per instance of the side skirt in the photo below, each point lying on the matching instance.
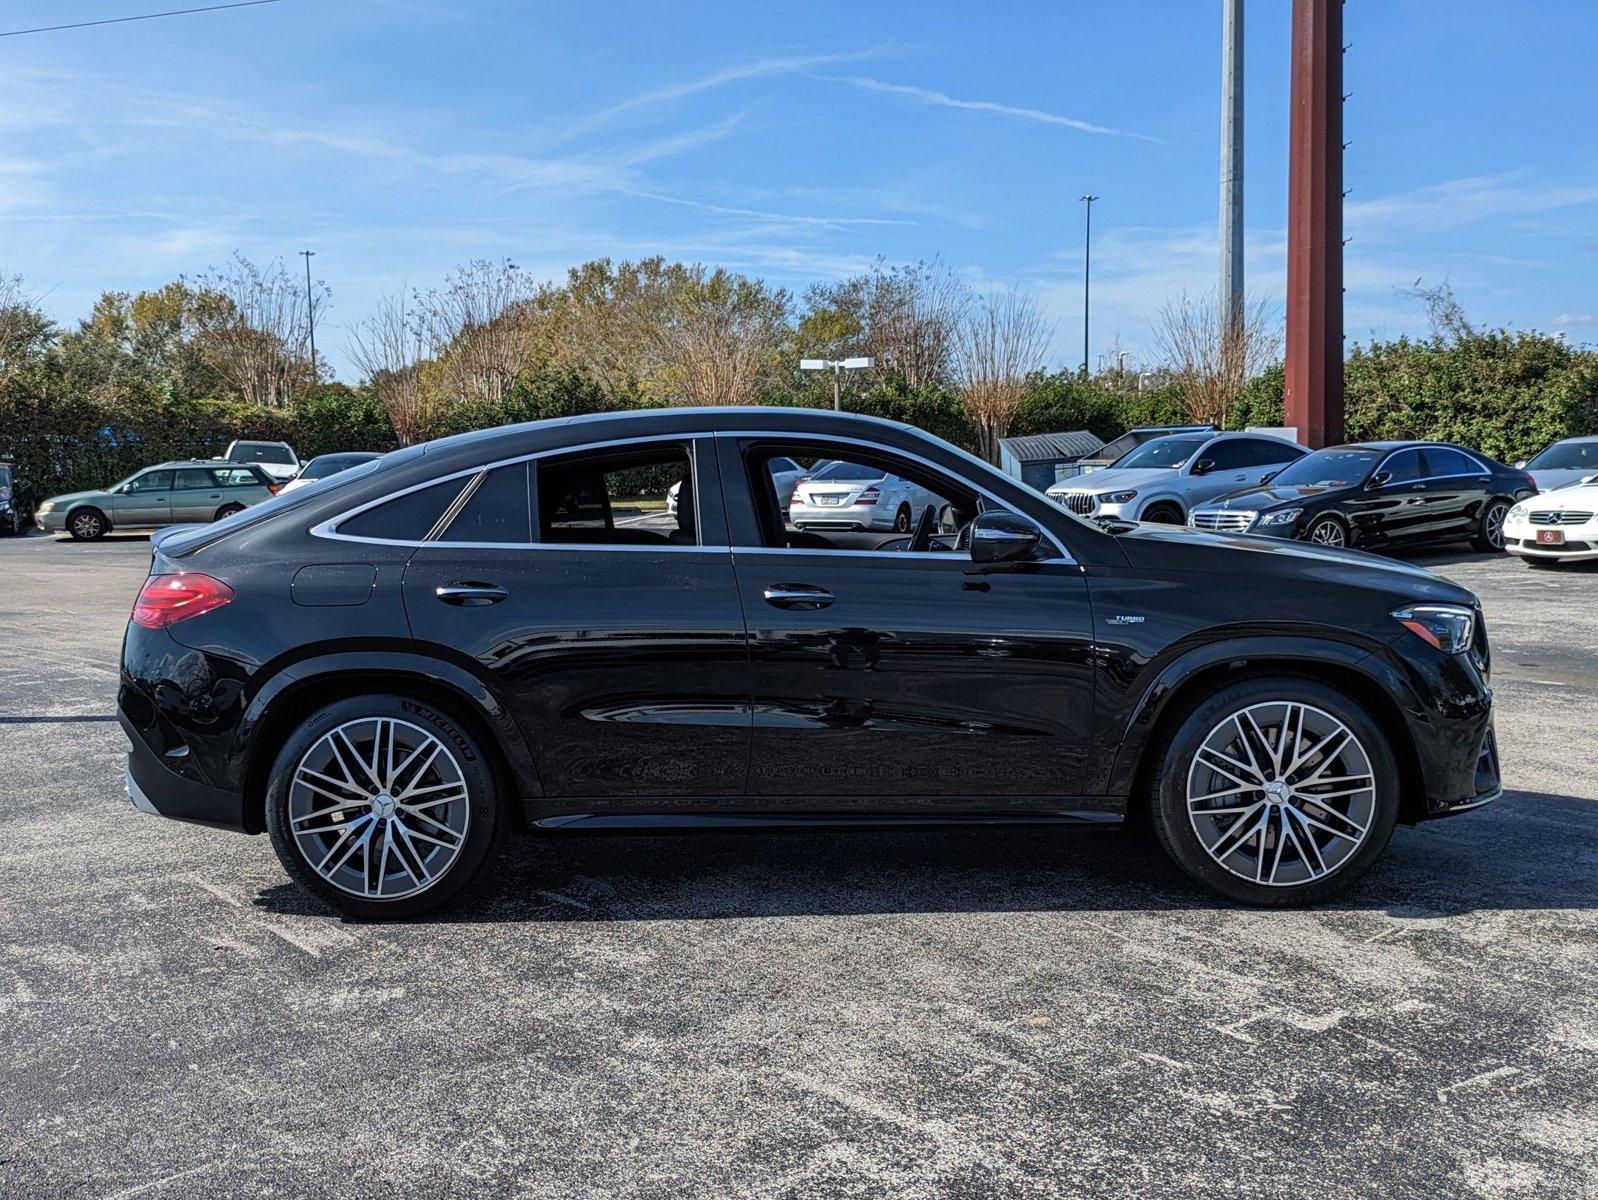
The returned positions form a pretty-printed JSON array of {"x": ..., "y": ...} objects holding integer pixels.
[{"x": 707, "y": 821}]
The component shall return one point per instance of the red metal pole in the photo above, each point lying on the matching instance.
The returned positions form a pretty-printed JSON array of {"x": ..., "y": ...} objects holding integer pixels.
[{"x": 1314, "y": 390}]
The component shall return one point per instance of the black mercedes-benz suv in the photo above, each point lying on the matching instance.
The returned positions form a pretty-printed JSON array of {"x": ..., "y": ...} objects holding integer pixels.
[{"x": 384, "y": 669}]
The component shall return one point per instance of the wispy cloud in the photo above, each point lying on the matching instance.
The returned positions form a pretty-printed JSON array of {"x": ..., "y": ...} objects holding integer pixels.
[
  {"x": 762, "y": 215},
  {"x": 1567, "y": 319},
  {"x": 943, "y": 100},
  {"x": 1456, "y": 203}
]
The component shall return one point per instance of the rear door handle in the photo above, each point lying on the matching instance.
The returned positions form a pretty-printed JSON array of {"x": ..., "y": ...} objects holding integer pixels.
[
  {"x": 798, "y": 595},
  {"x": 470, "y": 595}
]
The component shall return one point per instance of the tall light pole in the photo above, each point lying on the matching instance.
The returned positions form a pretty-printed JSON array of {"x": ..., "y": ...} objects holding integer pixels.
[
  {"x": 310, "y": 311},
  {"x": 837, "y": 366},
  {"x": 1231, "y": 296},
  {"x": 1087, "y": 276}
]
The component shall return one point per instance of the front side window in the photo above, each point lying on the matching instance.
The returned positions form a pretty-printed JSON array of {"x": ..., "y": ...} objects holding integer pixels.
[
  {"x": 150, "y": 481},
  {"x": 1261, "y": 452},
  {"x": 617, "y": 497},
  {"x": 1405, "y": 467}
]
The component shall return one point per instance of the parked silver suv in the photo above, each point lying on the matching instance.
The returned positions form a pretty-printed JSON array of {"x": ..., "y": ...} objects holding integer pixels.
[{"x": 1161, "y": 480}]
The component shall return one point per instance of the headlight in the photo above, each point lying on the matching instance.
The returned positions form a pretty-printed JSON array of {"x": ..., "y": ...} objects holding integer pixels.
[
  {"x": 1284, "y": 516},
  {"x": 1116, "y": 497},
  {"x": 47, "y": 507},
  {"x": 1448, "y": 627}
]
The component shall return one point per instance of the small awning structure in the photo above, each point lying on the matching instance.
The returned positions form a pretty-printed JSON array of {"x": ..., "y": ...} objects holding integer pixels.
[{"x": 1051, "y": 447}]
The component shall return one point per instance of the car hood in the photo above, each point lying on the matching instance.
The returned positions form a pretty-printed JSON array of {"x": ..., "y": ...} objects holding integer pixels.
[
  {"x": 1254, "y": 499},
  {"x": 1118, "y": 481},
  {"x": 1547, "y": 480},
  {"x": 1173, "y": 548},
  {"x": 1583, "y": 498},
  {"x": 77, "y": 497}
]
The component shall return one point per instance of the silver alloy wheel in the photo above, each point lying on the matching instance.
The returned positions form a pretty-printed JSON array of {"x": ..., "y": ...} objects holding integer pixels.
[
  {"x": 1281, "y": 793},
  {"x": 86, "y": 525},
  {"x": 1492, "y": 524},
  {"x": 378, "y": 807},
  {"x": 1327, "y": 532}
]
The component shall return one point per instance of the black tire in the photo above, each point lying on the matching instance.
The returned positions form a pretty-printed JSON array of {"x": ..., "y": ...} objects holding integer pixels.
[
  {"x": 1164, "y": 514},
  {"x": 1332, "y": 531},
  {"x": 486, "y": 807},
  {"x": 227, "y": 510},
  {"x": 1183, "y": 736},
  {"x": 87, "y": 524},
  {"x": 1489, "y": 535},
  {"x": 901, "y": 519}
]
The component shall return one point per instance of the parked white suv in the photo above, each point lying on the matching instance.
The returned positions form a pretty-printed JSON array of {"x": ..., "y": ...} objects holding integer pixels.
[
  {"x": 1161, "y": 480},
  {"x": 277, "y": 459}
]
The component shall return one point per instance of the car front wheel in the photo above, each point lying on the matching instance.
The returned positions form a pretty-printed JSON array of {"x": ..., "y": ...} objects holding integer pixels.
[
  {"x": 383, "y": 806},
  {"x": 87, "y": 525},
  {"x": 1274, "y": 791}
]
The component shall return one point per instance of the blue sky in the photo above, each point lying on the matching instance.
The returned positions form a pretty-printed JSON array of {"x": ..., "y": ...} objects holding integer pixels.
[{"x": 793, "y": 141}]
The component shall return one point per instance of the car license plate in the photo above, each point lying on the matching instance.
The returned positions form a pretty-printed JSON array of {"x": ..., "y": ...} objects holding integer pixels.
[
  {"x": 1550, "y": 537},
  {"x": 827, "y": 499}
]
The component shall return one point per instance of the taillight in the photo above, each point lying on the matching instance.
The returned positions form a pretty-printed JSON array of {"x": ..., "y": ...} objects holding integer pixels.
[
  {"x": 167, "y": 599},
  {"x": 870, "y": 496}
]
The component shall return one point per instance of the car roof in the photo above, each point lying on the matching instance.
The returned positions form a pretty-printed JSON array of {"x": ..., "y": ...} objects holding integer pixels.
[{"x": 196, "y": 462}]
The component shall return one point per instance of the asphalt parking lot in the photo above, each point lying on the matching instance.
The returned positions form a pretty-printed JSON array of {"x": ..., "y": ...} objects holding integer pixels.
[{"x": 1030, "y": 1012}]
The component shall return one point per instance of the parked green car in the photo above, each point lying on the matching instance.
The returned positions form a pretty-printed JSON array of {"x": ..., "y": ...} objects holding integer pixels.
[{"x": 172, "y": 493}]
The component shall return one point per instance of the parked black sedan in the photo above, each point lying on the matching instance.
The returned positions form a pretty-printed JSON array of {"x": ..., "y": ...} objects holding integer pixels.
[
  {"x": 386, "y": 668},
  {"x": 16, "y": 500},
  {"x": 1375, "y": 494}
]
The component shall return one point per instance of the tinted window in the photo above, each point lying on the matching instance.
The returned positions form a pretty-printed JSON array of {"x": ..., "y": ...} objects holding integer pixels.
[
  {"x": 151, "y": 481},
  {"x": 1169, "y": 452},
  {"x": 407, "y": 518},
  {"x": 1567, "y": 456},
  {"x": 497, "y": 511},
  {"x": 262, "y": 452},
  {"x": 1404, "y": 467},
  {"x": 617, "y": 497},
  {"x": 194, "y": 477},
  {"x": 330, "y": 464},
  {"x": 1259, "y": 452},
  {"x": 1442, "y": 461}
]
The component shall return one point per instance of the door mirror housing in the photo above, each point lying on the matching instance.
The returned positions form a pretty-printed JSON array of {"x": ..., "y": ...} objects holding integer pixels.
[
  {"x": 1378, "y": 480},
  {"x": 1270, "y": 475},
  {"x": 999, "y": 536},
  {"x": 1204, "y": 466}
]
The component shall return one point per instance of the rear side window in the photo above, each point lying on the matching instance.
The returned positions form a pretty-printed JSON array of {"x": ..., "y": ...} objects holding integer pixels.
[
  {"x": 1440, "y": 460},
  {"x": 1257, "y": 452},
  {"x": 407, "y": 518},
  {"x": 193, "y": 477},
  {"x": 497, "y": 511}
]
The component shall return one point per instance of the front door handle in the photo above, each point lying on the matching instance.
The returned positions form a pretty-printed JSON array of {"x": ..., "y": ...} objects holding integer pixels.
[
  {"x": 798, "y": 595},
  {"x": 470, "y": 595}
]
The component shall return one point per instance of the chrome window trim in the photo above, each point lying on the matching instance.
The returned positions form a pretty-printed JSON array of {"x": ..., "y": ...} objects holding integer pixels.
[
  {"x": 328, "y": 529},
  {"x": 1392, "y": 454}
]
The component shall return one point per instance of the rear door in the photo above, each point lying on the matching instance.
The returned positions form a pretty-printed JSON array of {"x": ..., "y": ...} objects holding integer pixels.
[
  {"x": 196, "y": 494},
  {"x": 1457, "y": 487},
  {"x": 612, "y": 632}
]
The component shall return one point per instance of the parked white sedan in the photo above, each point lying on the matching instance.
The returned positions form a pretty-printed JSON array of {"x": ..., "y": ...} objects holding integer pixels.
[
  {"x": 1557, "y": 526},
  {"x": 844, "y": 496},
  {"x": 785, "y": 475}
]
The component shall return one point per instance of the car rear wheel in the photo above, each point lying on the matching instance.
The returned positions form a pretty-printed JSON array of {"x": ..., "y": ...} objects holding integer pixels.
[
  {"x": 227, "y": 510},
  {"x": 901, "y": 519},
  {"x": 1274, "y": 791},
  {"x": 1490, "y": 533},
  {"x": 87, "y": 524},
  {"x": 1327, "y": 531},
  {"x": 383, "y": 806}
]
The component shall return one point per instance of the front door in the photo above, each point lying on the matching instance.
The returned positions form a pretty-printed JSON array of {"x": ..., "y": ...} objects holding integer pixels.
[
  {"x": 613, "y": 633},
  {"x": 899, "y": 679},
  {"x": 145, "y": 500}
]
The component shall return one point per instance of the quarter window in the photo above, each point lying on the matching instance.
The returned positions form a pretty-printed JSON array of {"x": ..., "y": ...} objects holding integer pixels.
[
  {"x": 407, "y": 518},
  {"x": 236, "y": 477},
  {"x": 498, "y": 510}
]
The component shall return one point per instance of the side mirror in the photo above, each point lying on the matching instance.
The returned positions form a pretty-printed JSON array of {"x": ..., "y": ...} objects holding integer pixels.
[
  {"x": 1380, "y": 479},
  {"x": 1520, "y": 464},
  {"x": 999, "y": 536},
  {"x": 1270, "y": 475},
  {"x": 947, "y": 521},
  {"x": 1204, "y": 466}
]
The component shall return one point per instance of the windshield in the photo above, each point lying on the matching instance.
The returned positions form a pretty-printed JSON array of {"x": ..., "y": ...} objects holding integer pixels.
[
  {"x": 852, "y": 472},
  {"x": 331, "y": 464},
  {"x": 1165, "y": 452},
  {"x": 261, "y": 452},
  {"x": 1336, "y": 467},
  {"x": 1567, "y": 456}
]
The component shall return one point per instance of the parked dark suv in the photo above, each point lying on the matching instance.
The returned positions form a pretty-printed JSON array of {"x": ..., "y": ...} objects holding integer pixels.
[{"x": 383, "y": 669}]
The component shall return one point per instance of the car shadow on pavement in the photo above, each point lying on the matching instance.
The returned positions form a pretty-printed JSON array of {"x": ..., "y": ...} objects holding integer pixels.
[{"x": 1530, "y": 851}]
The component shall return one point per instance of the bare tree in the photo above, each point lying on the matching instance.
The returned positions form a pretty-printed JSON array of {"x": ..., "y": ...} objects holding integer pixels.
[
  {"x": 257, "y": 335},
  {"x": 479, "y": 327},
  {"x": 389, "y": 348},
  {"x": 1000, "y": 344},
  {"x": 1444, "y": 312},
  {"x": 1210, "y": 359},
  {"x": 717, "y": 338},
  {"x": 906, "y": 317}
]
